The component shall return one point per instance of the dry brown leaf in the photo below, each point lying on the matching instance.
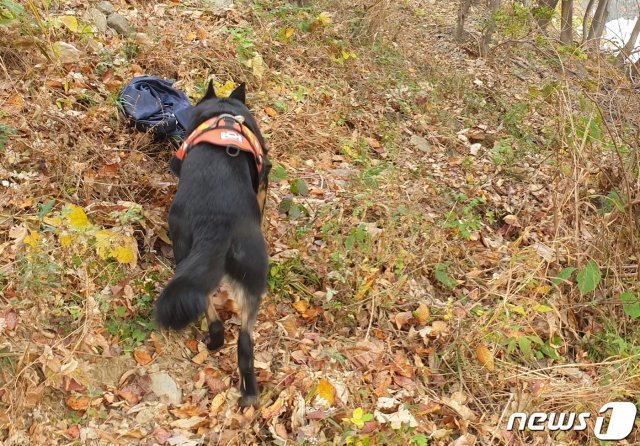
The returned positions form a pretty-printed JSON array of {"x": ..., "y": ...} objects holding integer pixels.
[
  {"x": 192, "y": 345},
  {"x": 485, "y": 357},
  {"x": 273, "y": 410},
  {"x": 305, "y": 310},
  {"x": 185, "y": 411},
  {"x": 402, "y": 365},
  {"x": 73, "y": 432},
  {"x": 156, "y": 343},
  {"x": 216, "y": 403},
  {"x": 373, "y": 143},
  {"x": 142, "y": 357},
  {"x": 511, "y": 220},
  {"x": 189, "y": 423},
  {"x": 11, "y": 320},
  {"x": 270, "y": 112},
  {"x": 290, "y": 325},
  {"x": 78, "y": 403},
  {"x": 422, "y": 313},
  {"x": 200, "y": 357},
  {"x": 401, "y": 319},
  {"x": 161, "y": 435}
]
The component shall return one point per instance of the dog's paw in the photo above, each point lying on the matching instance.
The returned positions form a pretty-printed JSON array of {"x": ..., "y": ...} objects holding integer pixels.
[
  {"x": 249, "y": 400},
  {"x": 216, "y": 335}
]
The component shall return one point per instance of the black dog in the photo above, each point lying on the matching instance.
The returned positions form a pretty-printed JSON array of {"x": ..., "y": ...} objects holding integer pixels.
[{"x": 214, "y": 223}]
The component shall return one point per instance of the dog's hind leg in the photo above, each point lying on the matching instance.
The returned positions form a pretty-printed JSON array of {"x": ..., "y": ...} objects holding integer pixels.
[
  {"x": 247, "y": 266},
  {"x": 248, "y": 306},
  {"x": 216, "y": 328}
]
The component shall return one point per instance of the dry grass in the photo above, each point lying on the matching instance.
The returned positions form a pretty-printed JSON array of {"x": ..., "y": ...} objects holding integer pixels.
[{"x": 383, "y": 222}]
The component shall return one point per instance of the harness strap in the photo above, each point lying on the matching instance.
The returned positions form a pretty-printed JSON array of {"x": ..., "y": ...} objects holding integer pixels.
[{"x": 225, "y": 131}]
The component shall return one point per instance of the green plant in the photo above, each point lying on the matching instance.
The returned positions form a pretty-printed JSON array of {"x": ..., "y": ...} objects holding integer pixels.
[
  {"x": 10, "y": 11},
  {"x": 243, "y": 39},
  {"x": 502, "y": 153},
  {"x": 466, "y": 219},
  {"x": 442, "y": 276},
  {"x": 5, "y": 132},
  {"x": 354, "y": 425}
]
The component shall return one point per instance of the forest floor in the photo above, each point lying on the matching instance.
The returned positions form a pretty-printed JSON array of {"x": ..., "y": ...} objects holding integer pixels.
[{"x": 452, "y": 238}]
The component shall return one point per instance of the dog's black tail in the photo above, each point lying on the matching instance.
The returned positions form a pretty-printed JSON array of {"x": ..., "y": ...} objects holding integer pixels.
[{"x": 185, "y": 296}]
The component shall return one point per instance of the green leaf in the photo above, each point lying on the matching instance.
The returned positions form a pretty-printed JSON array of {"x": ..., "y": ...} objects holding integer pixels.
[
  {"x": 295, "y": 211},
  {"x": 278, "y": 173},
  {"x": 525, "y": 346},
  {"x": 542, "y": 308},
  {"x": 285, "y": 205},
  {"x": 588, "y": 277},
  {"x": 43, "y": 209},
  {"x": 419, "y": 440},
  {"x": 299, "y": 187},
  {"x": 440, "y": 273},
  {"x": 630, "y": 304},
  {"x": 563, "y": 276}
]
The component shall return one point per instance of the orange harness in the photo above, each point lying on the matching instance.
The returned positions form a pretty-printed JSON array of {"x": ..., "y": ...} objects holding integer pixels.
[{"x": 228, "y": 132}]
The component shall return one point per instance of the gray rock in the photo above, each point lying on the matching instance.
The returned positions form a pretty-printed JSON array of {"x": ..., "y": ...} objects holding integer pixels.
[
  {"x": 163, "y": 386},
  {"x": 420, "y": 143},
  {"x": 145, "y": 415},
  {"x": 106, "y": 8},
  {"x": 66, "y": 52},
  {"x": 120, "y": 25},
  {"x": 98, "y": 19},
  {"x": 215, "y": 5}
]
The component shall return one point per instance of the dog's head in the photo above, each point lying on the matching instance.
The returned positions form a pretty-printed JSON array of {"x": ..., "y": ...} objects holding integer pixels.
[{"x": 211, "y": 105}]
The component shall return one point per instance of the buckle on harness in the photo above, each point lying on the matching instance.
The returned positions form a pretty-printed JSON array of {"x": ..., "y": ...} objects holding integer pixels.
[{"x": 233, "y": 154}]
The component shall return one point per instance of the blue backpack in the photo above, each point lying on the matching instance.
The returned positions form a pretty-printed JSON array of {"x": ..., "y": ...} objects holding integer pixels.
[{"x": 152, "y": 104}]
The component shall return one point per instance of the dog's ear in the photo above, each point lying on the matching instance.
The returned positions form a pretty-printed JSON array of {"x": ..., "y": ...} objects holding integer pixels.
[
  {"x": 239, "y": 93},
  {"x": 174, "y": 166},
  {"x": 210, "y": 93}
]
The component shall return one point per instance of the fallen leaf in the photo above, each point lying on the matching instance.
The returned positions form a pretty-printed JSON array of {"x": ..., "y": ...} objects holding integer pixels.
[
  {"x": 485, "y": 357},
  {"x": 216, "y": 403},
  {"x": 422, "y": 313},
  {"x": 192, "y": 345},
  {"x": 156, "y": 343},
  {"x": 142, "y": 357},
  {"x": 73, "y": 432},
  {"x": 161, "y": 435},
  {"x": 396, "y": 419},
  {"x": 270, "y": 112},
  {"x": 189, "y": 423},
  {"x": 325, "y": 393},
  {"x": 200, "y": 357},
  {"x": 70, "y": 22},
  {"x": 11, "y": 320},
  {"x": 273, "y": 410},
  {"x": 79, "y": 403},
  {"x": 401, "y": 319},
  {"x": 307, "y": 312},
  {"x": 511, "y": 220}
]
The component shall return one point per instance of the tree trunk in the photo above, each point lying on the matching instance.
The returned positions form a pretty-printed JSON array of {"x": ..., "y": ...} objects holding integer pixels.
[
  {"x": 543, "y": 22},
  {"x": 585, "y": 19},
  {"x": 629, "y": 46},
  {"x": 489, "y": 30},
  {"x": 599, "y": 20},
  {"x": 463, "y": 12},
  {"x": 566, "y": 21}
]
